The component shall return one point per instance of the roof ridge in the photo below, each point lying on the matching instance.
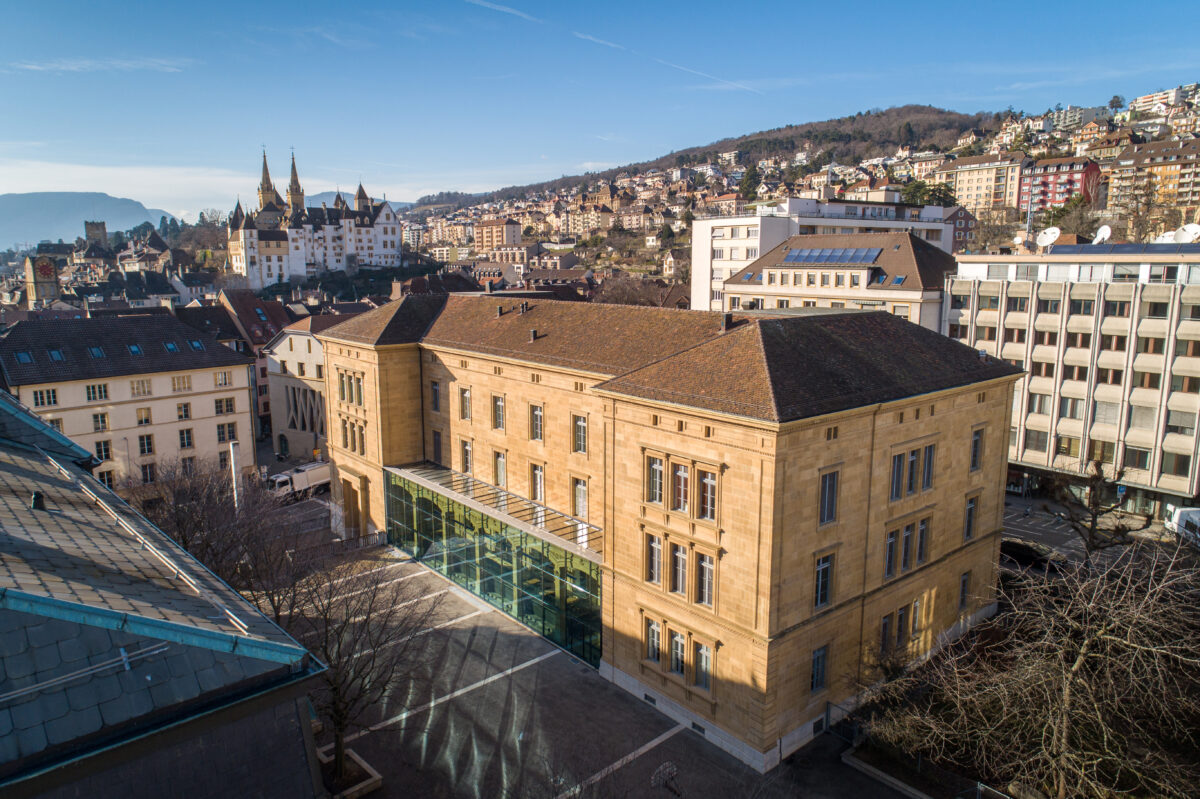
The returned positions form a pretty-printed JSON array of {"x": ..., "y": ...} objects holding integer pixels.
[{"x": 762, "y": 353}]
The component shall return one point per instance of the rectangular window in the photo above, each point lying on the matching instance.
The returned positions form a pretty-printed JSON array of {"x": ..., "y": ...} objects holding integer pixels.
[
  {"x": 497, "y": 413},
  {"x": 885, "y": 634},
  {"x": 707, "y": 495},
  {"x": 1147, "y": 379},
  {"x": 99, "y": 422},
  {"x": 341, "y": 386},
  {"x": 1181, "y": 422},
  {"x": 466, "y": 457},
  {"x": 703, "y": 667},
  {"x": 1036, "y": 440},
  {"x": 464, "y": 403},
  {"x": 223, "y": 406},
  {"x": 44, "y": 397},
  {"x": 678, "y": 652},
  {"x": 227, "y": 432},
  {"x": 653, "y": 559},
  {"x": 358, "y": 390},
  {"x": 654, "y": 480},
  {"x": 146, "y": 444},
  {"x": 819, "y": 664},
  {"x": 1067, "y": 445},
  {"x": 969, "y": 518},
  {"x": 106, "y": 479},
  {"x": 964, "y": 590},
  {"x": 678, "y": 569},
  {"x": 500, "y": 469},
  {"x": 704, "y": 579},
  {"x": 679, "y": 487},
  {"x": 147, "y": 473},
  {"x": 922, "y": 541},
  {"x": 435, "y": 396},
  {"x": 1039, "y": 403},
  {"x": 653, "y": 641},
  {"x": 97, "y": 392},
  {"x": 140, "y": 387},
  {"x": 103, "y": 450},
  {"x": 535, "y": 422},
  {"x": 906, "y": 546},
  {"x": 181, "y": 383},
  {"x": 57, "y": 424},
  {"x": 914, "y": 460},
  {"x": 976, "y": 450},
  {"x": 927, "y": 469},
  {"x": 185, "y": 438},
  {"x": 824, "y": 580},
  {"x": 829, "y": 497},
  {"x": 889, "y": 555},
  {"x": 1176, "y": 465},
  {"x": 437, "y": 445},
  {"x": 902, "y": 627},
  {"x": 1082, "y": 307},
  {"x": 222, "y": 379},
  {"x": 1137, "y": 458},
  {"x": 897, "y": 476},
  {"x": 579, "y": 437}
]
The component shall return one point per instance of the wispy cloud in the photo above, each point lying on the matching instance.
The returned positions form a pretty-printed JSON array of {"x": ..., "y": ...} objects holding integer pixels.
[
  {"x": 504, "y": 10},
  {"x": 589, "y": 38},
  {"x": 731, "y": 84},
  {"x": 334, "y": 35},
  {"x": 63, "y": 65},
  {"x": 596, "y": 166}
]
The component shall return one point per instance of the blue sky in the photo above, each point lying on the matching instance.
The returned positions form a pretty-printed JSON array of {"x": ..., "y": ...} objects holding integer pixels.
[{"x": 171, "y": 103}]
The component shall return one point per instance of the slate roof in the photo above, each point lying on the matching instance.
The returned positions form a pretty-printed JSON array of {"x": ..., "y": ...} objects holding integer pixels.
[
  {"x": 922, "y": 265},
  {"x": 109, "y": 630},
  {"x": 215, "y": 320},
  {"x": 114, "y": 334},
  {"x": 245, "y": 306},
  {"x": 769, "y": 367}
]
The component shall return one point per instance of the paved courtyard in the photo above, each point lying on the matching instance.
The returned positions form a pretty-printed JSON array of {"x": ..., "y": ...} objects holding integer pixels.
[{"x": 505, "y": 713}]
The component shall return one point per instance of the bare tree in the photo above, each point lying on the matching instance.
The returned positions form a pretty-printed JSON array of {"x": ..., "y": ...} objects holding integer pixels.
[
  {"x": 996, "y": 228},
  {"x": 628, "y": 290},
  {"x": 1139, "y": 207},
  {"x": 371, "y": 633},
  {"x": 248, "y": 543},
  {"x": 1092, "y": 509},
  {"x": 1088, "y": 687}
]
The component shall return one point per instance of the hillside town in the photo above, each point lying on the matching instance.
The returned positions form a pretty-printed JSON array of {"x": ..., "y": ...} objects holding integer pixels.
[{"x": 775, "y": 470}]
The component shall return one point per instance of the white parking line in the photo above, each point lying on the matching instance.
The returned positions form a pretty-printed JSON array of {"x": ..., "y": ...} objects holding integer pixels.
[
  {"x": 609, "y": 769},
  {"x": 399, "y": 717}
]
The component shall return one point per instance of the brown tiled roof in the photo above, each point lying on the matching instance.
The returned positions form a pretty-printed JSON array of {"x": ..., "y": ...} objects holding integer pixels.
[
  {"x": 791, "y": 367},
  {"x": 114, "y": 335},
  {"x": 775, "y": 368},
  {"x": 400, "y": 322},
  {"x": 318, "y": 323},
  {"x": 923, "y": 265}
]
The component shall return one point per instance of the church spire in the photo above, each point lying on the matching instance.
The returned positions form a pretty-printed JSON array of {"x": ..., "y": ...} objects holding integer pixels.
[
  {"x": 295, "y": 194},
  {"x": 266, "y": 190},
  {"x": 361, "y": 201}
]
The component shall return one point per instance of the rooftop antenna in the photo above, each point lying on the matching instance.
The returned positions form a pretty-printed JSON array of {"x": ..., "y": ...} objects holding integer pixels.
[
  {"x": 1048, "y": 237},
  {"x": 1102, "y": 235}
]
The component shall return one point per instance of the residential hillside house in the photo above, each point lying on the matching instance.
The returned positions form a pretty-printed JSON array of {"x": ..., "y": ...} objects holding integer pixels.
[
  {"x": 1108, "y": 336},
  {"x": 1169, "y": 169},
  {"x": 724, "y": 245},
  {"x": 296, "y": 377},
  {"x": 897, "y": 273},
  {"x": 493, "y": 233},
  {"x": 729, "y": 515},
  {"x": 130, "y": 670},
  {"x": 143, "y": 393}
]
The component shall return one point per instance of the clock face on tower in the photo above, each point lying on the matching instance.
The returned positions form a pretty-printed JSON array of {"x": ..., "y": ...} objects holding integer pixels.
[{"x": 45, "y": 268}]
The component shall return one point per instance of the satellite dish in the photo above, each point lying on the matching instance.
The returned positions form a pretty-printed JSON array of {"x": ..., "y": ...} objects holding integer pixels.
[
  {"x": 1102, "y": 235},
  {"x": 1165, "y": 238},
  {"x": 1018, "y": 240},
  {"x": 1193, "y": 232},
  {"x": 1048, "y": 236},
  {"x": 1181, "y": 236}
]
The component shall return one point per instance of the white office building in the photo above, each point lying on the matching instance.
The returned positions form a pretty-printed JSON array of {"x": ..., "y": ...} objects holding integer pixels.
[{"x": 723, "y": 245}]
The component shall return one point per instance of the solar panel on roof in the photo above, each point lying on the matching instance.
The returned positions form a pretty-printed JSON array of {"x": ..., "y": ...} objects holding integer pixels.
[
  {"x": 748, "y": 276},
  {"x": 873, "y": 254},
  {"x": 1126, "y": 248}
]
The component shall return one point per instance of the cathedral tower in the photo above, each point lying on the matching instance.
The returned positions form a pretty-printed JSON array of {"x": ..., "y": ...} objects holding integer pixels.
[{"x": 295, "y": 194}]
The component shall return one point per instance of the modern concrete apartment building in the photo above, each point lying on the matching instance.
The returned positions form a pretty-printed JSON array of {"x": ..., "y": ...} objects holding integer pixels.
[
  {"x": 984, "y": 182},
  {"x": 729, "y": 515},
  {"x": 142, "y": 393},
  {"x": 493, "y": 233},
  {"x": 1109, "y": 338},
  {"x": 893, "y": 272},
  {"x": 723, "y": 245}
]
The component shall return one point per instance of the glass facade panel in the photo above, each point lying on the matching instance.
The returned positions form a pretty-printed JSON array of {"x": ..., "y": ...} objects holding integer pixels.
[{"x": 555, "y": 592}]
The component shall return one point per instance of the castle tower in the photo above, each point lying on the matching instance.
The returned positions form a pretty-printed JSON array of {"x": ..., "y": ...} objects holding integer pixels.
[
  {"x": 266, "y": 189},
  {"x": 361, "y": 201},
  {"x": 295, "y": 194},
  {"x": 96, "y": 233}
]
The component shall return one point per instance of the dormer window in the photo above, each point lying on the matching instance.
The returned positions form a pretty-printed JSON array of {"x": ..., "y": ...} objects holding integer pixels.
[
  {"x": 135, "y": 349},
  {"x": 196, "y": 344},
  {"x": 56, "y": 355},
  {"x": 24, "y": 356},
  {"x": 170, "y": 346},
  {"x": 96, "y": 352}
]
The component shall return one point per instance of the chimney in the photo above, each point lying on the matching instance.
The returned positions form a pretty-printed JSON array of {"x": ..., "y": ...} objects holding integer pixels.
[
  {"x": 499, "y": 311},
  {"x": 532, "y": 335},
  {"x": 37, "y": 501},
  {"x": 726, "y": 321}
]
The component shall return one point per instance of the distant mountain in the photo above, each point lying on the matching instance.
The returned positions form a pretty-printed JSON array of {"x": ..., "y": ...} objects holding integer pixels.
[
  {"x": 847, "y": 140},
  {"x": 55, "y": 215},
  {"x": 327, "y": 197}
]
